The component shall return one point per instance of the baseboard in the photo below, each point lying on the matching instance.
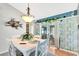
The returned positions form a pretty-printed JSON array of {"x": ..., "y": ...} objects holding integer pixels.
[{"x": 3, "y": 51}]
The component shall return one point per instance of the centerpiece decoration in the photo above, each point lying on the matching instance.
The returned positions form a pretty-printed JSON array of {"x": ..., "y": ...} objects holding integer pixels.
[{"x": 26, "y": 36}]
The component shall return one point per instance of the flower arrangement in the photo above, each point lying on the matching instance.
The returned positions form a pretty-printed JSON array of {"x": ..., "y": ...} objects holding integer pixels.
[{"x": 26, "y": 36}]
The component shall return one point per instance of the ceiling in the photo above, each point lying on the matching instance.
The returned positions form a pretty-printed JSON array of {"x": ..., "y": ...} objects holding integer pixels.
[{"x": 41, "y": 10}]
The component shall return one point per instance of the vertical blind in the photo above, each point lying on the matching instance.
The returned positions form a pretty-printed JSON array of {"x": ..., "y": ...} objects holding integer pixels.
[{"x": 68, "y": 33}]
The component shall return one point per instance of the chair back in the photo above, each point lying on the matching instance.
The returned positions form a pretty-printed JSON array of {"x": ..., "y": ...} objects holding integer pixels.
[
  {"x": 42, "y": 48},
  {"x": 12, "y": 50}
]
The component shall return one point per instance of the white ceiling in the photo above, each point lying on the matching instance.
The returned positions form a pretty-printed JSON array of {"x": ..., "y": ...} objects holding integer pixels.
[{"x": 41, "y": 10}]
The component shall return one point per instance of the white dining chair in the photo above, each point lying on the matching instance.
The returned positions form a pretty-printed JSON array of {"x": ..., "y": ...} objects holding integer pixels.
[
  {"x": 41, "y": 49},
  {"x": 13, "y": 51}
]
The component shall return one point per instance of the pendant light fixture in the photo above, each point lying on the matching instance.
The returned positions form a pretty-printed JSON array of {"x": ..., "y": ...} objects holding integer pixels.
[{"x": 28, "y": 17}]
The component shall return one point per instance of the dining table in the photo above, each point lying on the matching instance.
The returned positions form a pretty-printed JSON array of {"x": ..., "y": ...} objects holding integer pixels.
[{"x": 26, "y": 46}]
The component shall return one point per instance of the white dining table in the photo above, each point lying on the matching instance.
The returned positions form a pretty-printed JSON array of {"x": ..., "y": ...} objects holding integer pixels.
[{"x": 27, "y": 46}]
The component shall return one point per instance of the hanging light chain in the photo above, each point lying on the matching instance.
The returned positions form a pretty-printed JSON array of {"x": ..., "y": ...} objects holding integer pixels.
[{"x": 28, "y": 10}]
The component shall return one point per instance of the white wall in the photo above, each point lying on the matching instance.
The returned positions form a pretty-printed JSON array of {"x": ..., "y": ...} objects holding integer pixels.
[{"x": 6, "y": 13}]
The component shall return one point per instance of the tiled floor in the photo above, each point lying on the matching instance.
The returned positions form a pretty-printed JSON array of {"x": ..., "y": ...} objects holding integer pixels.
[{"x": 59, "y": 52}]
